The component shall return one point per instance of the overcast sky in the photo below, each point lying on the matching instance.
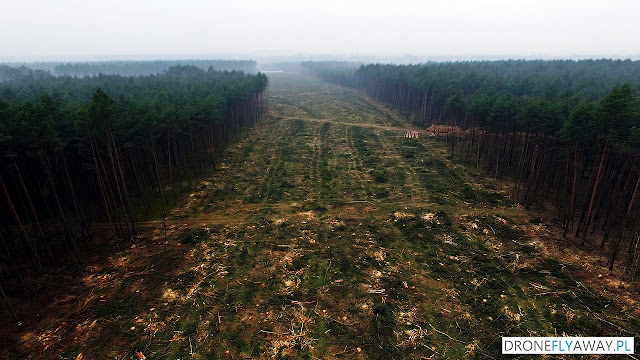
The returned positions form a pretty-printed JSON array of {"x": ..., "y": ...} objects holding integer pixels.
[{"x": 65, "y": 28}]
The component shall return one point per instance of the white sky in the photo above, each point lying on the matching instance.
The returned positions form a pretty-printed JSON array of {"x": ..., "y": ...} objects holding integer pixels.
[{"x": 63, "y": 28}]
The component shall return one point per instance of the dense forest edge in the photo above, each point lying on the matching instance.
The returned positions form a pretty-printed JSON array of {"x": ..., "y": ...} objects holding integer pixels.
[
  {"x": 564, "y": 131},
  {"x": 109, "y": 149},
  {"x": 12, "y": 71}
]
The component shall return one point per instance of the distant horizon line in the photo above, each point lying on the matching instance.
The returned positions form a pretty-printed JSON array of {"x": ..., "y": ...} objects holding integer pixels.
[{"x": 267, "y": 57}]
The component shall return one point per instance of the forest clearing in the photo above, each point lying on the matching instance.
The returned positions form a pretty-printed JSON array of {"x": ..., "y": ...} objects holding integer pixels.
[{"x": 326, "y": 233}]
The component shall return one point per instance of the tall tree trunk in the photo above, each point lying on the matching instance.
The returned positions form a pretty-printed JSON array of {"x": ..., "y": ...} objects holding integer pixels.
[
  {"x": 33, "y": 210},
  {"x": 573, "y": 194},
  {"x": 594, "y": 193},
  {"x": 173, "y": 188},
  {"x": 47, "y": 165},
  {"x": 103, "y": 189},
  {"x": 615, "y": 248},
  {"x": 127, "y": 203},
  {"x": 83, "y": 224},
  {"x": 32, "y": 248}
]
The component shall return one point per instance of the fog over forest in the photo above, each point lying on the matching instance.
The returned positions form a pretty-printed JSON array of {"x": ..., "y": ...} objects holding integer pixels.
[{"x": 408, "y": 31}]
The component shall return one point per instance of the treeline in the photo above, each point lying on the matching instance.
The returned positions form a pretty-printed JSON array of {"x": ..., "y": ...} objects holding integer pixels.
[
  {"x": 566, "y": 131},
  {"x": 11, "y": 71},
  {"x": 337, "y": 72},
  {"x": 14, "y": 73},
  {"x": 137, "y": 68},
  {"x": 78, "y": 150}
]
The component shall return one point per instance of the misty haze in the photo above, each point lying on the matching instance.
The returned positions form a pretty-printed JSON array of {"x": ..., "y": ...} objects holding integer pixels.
[{"x": 319, "y": 180}]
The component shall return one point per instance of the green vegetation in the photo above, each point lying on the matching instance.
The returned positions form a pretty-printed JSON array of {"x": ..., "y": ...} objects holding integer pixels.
[
  {"x": 324, "y": 233},
  {"x": 562, "y": 130},
  {"x": 124, "y": 68},
  {"x": 109, "y": 149}
]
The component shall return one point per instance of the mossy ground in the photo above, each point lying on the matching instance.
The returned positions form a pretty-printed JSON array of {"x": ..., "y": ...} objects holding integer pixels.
[{"x": 321, "y": 238}]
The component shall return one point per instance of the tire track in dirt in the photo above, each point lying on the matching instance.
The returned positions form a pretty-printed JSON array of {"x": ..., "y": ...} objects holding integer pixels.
[
  {"x": 412, "y": 187},
  {"x": 355, "y": 167}
]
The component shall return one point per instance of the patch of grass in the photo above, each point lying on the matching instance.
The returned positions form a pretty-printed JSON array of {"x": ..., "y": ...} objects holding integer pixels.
[{"x": 191, "y": 236}]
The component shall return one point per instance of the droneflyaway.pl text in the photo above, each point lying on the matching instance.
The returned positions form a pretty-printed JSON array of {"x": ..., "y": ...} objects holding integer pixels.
[{"x": 567, "y": 345}]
